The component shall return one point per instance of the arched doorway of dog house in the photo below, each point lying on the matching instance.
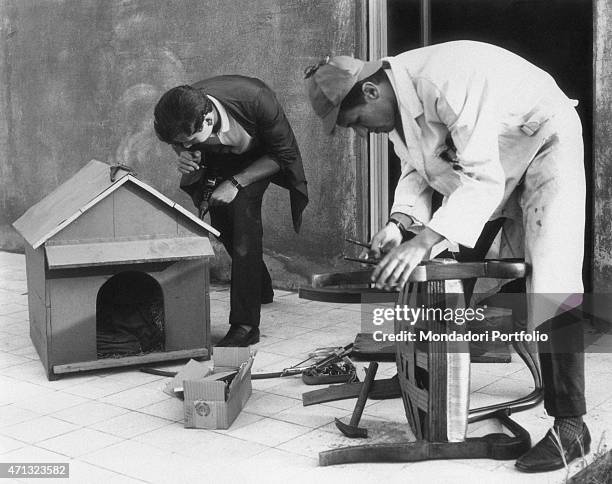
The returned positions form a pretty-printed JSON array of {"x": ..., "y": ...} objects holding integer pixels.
[{"x": 129, "y": 316}]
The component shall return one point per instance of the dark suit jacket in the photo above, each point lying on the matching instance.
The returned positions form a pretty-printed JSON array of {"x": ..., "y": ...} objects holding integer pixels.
[{"x": 255, "y": 107}]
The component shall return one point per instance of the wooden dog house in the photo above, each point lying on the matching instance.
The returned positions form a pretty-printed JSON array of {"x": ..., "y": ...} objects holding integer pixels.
[{"x": 97, "y": 236}]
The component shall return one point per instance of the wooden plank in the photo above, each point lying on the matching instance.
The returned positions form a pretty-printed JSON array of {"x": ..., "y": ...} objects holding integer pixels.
[
  {"x": 131, "y": 360},
  {"x": 433, "y": 270},
  {"x": 81, "y": 211},
  {"x": 73, "y": 318},
  {"x": 35, "y": 271},
  {"x": 139, "y": 213},
  {"x": 39, "y": 327},
  {"x": 93, "y": 224},
  {"x": 196, "y": 220},
  {"x": 176, "y": 206},
  {"x": 127, "y": 252},
  {"x": 186, "y": 304},
  {"x": 63, "y": 202}
]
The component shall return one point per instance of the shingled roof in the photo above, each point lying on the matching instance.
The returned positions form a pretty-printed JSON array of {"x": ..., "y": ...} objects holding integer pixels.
[{"x": 74, "y": 197}]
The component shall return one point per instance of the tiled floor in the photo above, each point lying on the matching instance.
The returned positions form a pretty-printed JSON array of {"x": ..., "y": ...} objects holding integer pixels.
[{"x": 120, "y": 427}]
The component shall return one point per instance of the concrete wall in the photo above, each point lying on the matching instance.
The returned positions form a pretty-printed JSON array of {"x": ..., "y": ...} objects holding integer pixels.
[
  {"x": 602, "y": 149},
  {"x": 79, "y": 79}
]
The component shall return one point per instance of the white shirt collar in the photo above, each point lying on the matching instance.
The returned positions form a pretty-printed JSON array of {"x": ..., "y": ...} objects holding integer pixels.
[
  {"x": 225, "y": 123},
  {"x": 402, "y": 84}
]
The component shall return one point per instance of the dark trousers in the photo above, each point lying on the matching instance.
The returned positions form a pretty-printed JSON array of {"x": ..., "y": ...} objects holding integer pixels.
[
  {"x": 562, "y": 356},
  {"x": 562, "y": 363},
  {"x": 241, "y": 234}
]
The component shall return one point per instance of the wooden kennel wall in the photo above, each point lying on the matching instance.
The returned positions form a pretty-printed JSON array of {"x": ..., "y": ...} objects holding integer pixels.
[{"x": 92, "y": 228}]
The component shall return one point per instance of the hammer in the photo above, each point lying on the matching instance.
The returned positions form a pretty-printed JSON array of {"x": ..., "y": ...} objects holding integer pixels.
[{"x": 352, "y": 430}]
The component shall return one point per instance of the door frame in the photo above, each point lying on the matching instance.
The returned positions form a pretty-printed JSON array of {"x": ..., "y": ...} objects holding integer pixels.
[{"x": 378, "y": 146}]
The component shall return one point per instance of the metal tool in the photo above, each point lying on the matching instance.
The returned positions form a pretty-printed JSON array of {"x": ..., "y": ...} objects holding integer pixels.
[
  {"x": 353, "y": 430},
  {"x": 322, "y": 357},
  {"x": 361, "y": 260},
  {"x": 373, "y": 262},
  {"x": 334, "y": 356},
  {"x": 358, "y": 242}
]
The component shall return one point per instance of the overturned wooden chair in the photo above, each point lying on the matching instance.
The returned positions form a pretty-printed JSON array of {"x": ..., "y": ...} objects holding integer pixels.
[{"x": 433, "y": 375}]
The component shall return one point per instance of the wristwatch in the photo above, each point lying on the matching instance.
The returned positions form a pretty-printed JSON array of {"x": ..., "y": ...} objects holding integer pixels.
[
  {"x": 400, "y": 226},
  {"x": 236, "y": 184}
]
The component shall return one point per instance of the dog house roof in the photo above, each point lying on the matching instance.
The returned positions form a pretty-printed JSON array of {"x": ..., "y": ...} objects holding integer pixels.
[{"x": 74, "y": 197}]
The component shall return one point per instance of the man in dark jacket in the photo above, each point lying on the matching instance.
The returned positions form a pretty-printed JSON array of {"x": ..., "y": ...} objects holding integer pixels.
[{"x": 233, "y": 138}]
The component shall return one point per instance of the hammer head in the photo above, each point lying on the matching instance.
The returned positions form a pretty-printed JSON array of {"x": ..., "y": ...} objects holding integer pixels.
[{"x": 350, "y": 431}]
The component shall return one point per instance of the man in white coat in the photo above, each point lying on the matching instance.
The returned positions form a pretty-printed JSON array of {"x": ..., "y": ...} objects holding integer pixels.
[{"x": 498, "y": 139}]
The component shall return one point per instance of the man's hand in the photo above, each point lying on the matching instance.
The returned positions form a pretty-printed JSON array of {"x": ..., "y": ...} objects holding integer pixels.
[
  {"x": 385, "y": 239},
  {"x": 187, "y": 161},
  {"x": 395, "y": 268},
  {"x": 223, "y": 194}
]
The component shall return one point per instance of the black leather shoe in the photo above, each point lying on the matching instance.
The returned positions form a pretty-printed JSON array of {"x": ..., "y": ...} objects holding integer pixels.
[
  {"x": 239, "y": 336},
  {"x": 545, "y": 455}
]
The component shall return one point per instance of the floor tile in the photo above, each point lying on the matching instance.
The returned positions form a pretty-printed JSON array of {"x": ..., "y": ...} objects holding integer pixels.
[
  {"x": 171, "y": 409},
  {"x": 89, "y": 413},
  {"x": 291, "y": 386},
  {"x": 135, "y": 398},
  {"x": 13, "y": 414},
  {"x": 315, "y": 441},
  {"x": 175, "y": 438},
  {"x": 9, "y": 361},
  {"x": 312, "y": 416},
  {"x": 244, "y": 418},
  {"x": 223, "y": 449},
  {"x": 79, "y": 442},
  {"x": 129, "y": 425},
  {"x": 268, "y": 405},
  {"x": 270, "y": 432},
  {"x": 84, "y": 472},
  {"x": 29, "y": 370},
  {"x": 32, "y": 453},
  {"x": 12, "y": 342},
  {"x": 53, "y": 402},
  {"x": 11, "y": 308},
  {"x": 38, "y": 429},
  {"x": 8, "y": 444}
]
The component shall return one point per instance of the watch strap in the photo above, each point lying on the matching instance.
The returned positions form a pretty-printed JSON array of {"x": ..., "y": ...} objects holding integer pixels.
[
  {"x": 403, "y": 230},
  {"x": 235, "y": 183}
]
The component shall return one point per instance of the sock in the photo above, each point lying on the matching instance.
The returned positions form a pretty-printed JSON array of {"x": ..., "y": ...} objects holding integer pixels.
[{"x": 569, "y": 428}]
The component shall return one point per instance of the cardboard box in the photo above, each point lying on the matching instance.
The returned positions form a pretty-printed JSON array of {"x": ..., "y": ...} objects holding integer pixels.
[{"x": 208, "y": 402}]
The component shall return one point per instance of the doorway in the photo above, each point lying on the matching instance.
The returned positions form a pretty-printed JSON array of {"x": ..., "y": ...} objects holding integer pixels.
[
  {"x": 129, "y": 316},
  {"x": 556, "y": 35}
]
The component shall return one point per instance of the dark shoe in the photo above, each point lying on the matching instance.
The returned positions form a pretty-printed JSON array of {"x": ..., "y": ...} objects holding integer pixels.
[
  {"x": 545, "y": 455},
  {"x": 237, "y": 336}
]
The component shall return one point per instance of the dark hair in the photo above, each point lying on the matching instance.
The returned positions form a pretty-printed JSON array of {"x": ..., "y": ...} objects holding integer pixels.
[
  {"x": 355, "y": 96},
  {"x": 181, "y": 110}
]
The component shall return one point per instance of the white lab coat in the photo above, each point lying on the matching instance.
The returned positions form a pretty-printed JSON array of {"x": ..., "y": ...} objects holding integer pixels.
[{"x": 518, "y": 154}]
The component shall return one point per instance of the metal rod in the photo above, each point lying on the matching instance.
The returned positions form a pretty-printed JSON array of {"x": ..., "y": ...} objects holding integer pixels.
[
  {"x": 373, "y": 262},
  {"x": 425, "y": 22},
  {"x": 357, "y": 242}
]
